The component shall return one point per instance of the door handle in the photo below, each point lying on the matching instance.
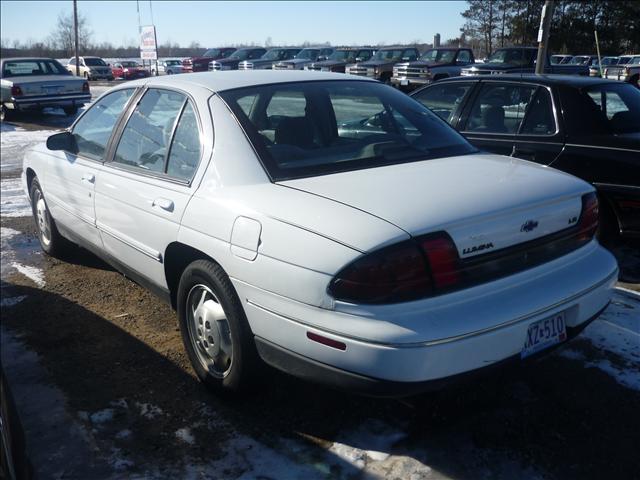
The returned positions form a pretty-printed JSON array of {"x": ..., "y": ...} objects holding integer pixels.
[
  {"x": 163, "y": 203},
  {"x": 89, "y": 177}
]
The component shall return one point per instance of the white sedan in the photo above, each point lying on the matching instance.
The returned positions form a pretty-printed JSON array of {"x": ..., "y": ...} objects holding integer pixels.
[{"x": 330, "y": 226}]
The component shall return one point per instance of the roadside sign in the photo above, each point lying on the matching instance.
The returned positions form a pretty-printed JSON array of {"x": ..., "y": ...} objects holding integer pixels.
[{"x": 148, "y": 49}]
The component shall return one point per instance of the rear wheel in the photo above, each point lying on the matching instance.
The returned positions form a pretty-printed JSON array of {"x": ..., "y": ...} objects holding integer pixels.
[
  {"x": 5, "y": 113},
  {"x": 214, "y": 328},
  {"x": 50, "y": 239}
]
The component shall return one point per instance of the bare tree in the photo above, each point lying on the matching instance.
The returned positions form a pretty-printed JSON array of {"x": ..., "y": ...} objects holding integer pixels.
[{"x": 63, "y": 35}]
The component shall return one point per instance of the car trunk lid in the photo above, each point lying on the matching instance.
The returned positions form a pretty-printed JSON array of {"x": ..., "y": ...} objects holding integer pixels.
[
  {"x": 48, "y": 85},
  {"x": 484, "y": 202}
]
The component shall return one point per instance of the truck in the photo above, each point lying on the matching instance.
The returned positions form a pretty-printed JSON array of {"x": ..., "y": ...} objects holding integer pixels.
[
  {"x": 434, "y": 64},
  {"x": 521, "y": 60},
  {"x": 381, "y": 65},
  {"x": 340, "y": 58},
  {"x": 628, "y": 72},
  {"x": 201, "y": 63}
]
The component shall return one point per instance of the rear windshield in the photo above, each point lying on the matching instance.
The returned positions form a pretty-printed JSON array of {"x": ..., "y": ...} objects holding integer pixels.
[
  {"x": 513, "y": 56},
  {"x": 312, "y": 128},
  {"x": 94, "y": 62},
  {"x": 34, "y": 68}
]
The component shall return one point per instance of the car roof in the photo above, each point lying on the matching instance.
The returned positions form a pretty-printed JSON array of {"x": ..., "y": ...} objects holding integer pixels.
[
  {"x": 545, "y": 79},
  {"x": 221, "y": 81},
  {"x": 15, "y": 59}
]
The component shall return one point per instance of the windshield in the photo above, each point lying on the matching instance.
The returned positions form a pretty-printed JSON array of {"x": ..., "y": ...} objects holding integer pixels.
[
  {"x": 635, "y": 61},
  {"x": 513, "y": 56},
  {"x": 130, "y": 64},
  {"x": 618, "y": 107},
  {"x": 438, "y": 56},
  {"x": 279, "y": 54},
  {"x": 310, "y": 128},
  {"x": 343, "y": 55},
  {"x": 609, "y": 60},
  {"x": 213, "y": 52},
  {"x": 173, "y": 62},
  {"x": 32, "y": 68},
  {"x": 389, "y": 55},
  {"x": 579, "y": 60},
  {"x": 94, "y": 62},
  {"x": 308, "y": 54},
  {"x": 241, "y": 54}
]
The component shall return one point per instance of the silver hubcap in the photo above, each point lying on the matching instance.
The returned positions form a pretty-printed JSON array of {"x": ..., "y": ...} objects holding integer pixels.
[
  {"x": 209, "y": 331},
  {"x": 44, "y": 222}
]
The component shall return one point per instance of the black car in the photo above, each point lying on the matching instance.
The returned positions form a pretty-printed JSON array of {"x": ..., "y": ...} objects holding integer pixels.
[{"x": 588, "y": 127}]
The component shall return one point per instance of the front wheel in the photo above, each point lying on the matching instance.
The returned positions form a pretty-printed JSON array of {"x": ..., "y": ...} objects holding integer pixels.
[
  {"x": 50, "y": 239},
  {"x": 5, "y": 113},
  {"x": 214, "y": 328}
]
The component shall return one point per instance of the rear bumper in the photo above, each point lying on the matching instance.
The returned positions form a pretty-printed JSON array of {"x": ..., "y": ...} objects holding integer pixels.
[
  {"x": 28, "y": 103},
  {"x": 417, "y": 343},
  {"x": 314, "y": 371}
]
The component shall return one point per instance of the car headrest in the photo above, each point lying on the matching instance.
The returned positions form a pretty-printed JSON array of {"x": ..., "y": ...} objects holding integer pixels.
[{"x": 297, "y": 131}]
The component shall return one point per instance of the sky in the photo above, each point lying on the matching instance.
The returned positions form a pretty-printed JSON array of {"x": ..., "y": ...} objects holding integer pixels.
[{"x": 223, "y": 23}]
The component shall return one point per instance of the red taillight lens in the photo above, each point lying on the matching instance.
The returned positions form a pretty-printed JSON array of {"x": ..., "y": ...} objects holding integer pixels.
[
  {"x": 392, "y": 274},
  {"x": 85, "y": 87},
  {"x": 16, "y": 91},
  {"x": 588, "y": 223},
  {"x": 443, "y": 260}
]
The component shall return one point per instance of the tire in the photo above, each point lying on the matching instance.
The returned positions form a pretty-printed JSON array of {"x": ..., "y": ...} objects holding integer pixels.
[
  {"x": 608, "y": 231},
  {"x": 214, "y": 328},
  {"x": 86, "y": 76},
  {"x": 169, "y": 72},
  {"x": 51, "y": 242},
  {"x": 110, "y": 79},
  {"x": 69, "y": 111},
  {"x": 5, "y": 114}
]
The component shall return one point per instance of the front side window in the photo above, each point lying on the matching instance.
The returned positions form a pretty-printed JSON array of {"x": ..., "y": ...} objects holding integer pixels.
[
  {"x": 444, "y": 99},
  {"x": 145, "y": 140},
  {"x": 331, "y": 126},
  {"x": 162, "y": 136},
  {"x": 464, "y": 56},
  {"x": 93, "y": 129},
  {"x": 499, "y": 108}
]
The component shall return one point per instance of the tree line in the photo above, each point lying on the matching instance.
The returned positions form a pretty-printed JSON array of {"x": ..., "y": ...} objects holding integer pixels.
[
  {"x": 491, "y": 24},
  {"x": 488, "y": 24}
]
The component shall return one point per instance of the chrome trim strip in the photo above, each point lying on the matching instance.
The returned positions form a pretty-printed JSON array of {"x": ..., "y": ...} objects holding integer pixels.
[
  {"x": 446, "y": 340},
  {"x": 601, "y": 147},
  {"x": 130, "y": 242}
]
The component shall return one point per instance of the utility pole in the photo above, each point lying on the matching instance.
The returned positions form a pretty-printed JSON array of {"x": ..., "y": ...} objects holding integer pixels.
[
  {"x": 75, "y": 33},
  {"x": 595, "y": 32},
  {"x": 543, "y": 35}
]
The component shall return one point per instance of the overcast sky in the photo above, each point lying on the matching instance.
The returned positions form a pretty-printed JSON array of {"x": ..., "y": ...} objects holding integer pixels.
[{"x": 221, "y": 23}]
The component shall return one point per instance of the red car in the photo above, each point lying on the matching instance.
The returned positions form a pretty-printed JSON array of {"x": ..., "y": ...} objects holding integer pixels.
[
  {"x": 129, "y": 70},
  {"x": 201, "y": 64}
]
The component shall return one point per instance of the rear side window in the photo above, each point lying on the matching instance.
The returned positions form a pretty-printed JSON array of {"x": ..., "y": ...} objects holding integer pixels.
[
  {"x": 444, "y": 99},
  {"x": 540, "y": 119},
  {"x": 93, "y": 130},
  {"x": 616, "y": 107},
  {"x": 185, "y": 147},
  {"x": 499, "y": 108}
]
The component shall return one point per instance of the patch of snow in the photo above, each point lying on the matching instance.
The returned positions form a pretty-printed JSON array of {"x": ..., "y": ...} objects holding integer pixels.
[
  {"x": 102, "y": 416},
  {"x": 6, "y": 233},
  {"x": 11, "y": 301},
  {"x": 149, "y": 410},
  {"x": 14, "y": 202},
  {"x": 628, "y": 377},
  {"x": 185, "y": 435},
  {"x": 571, "y": 354},
  {"x": 121, "y": 402},
  {"x": 15, "y": 143},
  {"x": 35, "y": 274}
]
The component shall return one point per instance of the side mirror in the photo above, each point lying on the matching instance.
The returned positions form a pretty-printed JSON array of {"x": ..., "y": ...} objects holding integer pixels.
[
  {"x": 321, "y": 58},
  {"x": 62, "y": 141}
]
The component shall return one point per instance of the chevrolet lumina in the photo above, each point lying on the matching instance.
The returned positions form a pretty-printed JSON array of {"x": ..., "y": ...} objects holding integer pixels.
[{"x": 328, "y": 225}]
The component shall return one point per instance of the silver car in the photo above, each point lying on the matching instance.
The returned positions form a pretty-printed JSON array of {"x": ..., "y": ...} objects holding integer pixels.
[{"x": 35, "y": 83}]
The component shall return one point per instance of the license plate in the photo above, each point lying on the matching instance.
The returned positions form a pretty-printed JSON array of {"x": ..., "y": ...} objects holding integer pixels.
[
  {"x": 51, "y": 90},
  {"x": 404, "y": 82},
  {"x": 543, "y": 334}
]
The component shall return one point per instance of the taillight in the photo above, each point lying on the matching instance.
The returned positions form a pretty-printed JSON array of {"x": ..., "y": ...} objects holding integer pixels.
[
  {"x": 443, "y": 260},
  {"x": 85, "y": 87},
  {"x": 16, "y": 91},
  {"x": 588, "y": 222},
  {"x": 392, "y": 274}
]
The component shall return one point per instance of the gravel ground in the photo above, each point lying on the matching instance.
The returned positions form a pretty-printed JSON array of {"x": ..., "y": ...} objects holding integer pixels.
[{"x": 104, "y": 389}]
